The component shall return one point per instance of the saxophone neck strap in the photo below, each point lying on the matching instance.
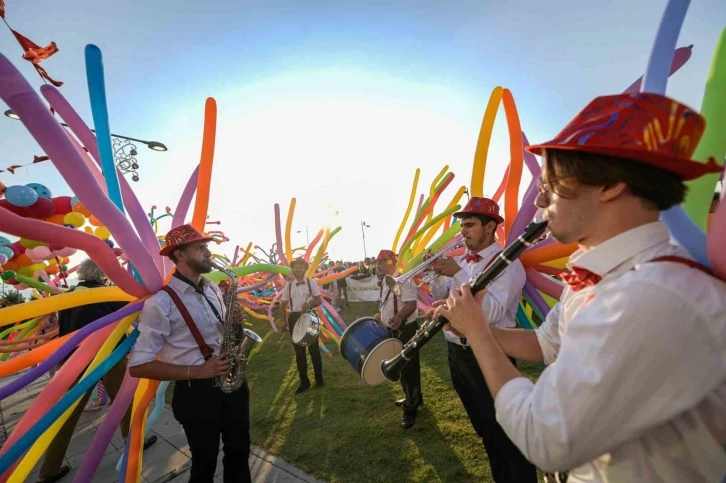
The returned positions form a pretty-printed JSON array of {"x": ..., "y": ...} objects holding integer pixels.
[{"x": 203, "y": 347}]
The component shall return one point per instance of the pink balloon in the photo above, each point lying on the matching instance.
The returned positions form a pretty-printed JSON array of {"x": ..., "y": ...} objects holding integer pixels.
[
  {"x": 42, "y": 253},
  {"x": 544, "y": 283},
  {"x": 95, "y": 247},
  {"x": 185, "y": 201},
  {"x": 66, "y": 252},
  {"x": 131, "y": 203},
  {"x": 716, "y": 241},
  {"x": 19, "y": 95}
]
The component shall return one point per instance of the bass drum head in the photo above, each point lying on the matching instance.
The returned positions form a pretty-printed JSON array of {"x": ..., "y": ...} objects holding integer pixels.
[
  {"x": 371, "y": 371},
  {"x": 302, "y": 326}
]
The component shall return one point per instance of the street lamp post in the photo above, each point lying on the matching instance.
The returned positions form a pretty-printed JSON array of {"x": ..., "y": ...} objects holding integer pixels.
[
  {"x": 363, "y": 226},
  {"x": 124, "y": 149},
  {"x": 307, "y": 235}
]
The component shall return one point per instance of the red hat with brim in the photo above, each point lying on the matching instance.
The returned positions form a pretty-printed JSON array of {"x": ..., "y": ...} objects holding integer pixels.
[
  {"x": 386, "y": 255},
  {"x": 481, "y": 206},
  {"x": 643, "y": 127},
  {"x": 180, "y": 236}
]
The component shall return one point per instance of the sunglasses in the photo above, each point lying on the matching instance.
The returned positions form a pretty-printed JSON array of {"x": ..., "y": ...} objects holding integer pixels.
[{"x": 543, "y": 187}]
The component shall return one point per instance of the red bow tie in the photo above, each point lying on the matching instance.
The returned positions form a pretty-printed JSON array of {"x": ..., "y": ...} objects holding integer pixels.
[
  {"x": 299, "y": 283},
  {"x": 580, "y": 278},
  {"x": 472, "y": 257}
]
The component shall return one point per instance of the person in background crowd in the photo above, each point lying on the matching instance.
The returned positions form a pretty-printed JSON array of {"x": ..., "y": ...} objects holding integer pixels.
[{"x": 71, "y": 320}]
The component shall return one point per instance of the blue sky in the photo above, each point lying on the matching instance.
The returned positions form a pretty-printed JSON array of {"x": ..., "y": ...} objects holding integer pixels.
[{"x": 334, "y": 103}]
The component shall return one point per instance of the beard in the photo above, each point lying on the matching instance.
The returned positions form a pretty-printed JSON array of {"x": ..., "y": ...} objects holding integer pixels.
[{"x": 204, "y": 266}]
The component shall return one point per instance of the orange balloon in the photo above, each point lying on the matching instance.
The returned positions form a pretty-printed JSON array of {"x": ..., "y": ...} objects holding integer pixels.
[
  {"x": 94, "y": 221},
  {"x": 23, "y": 260},
  {"x": 516, "y": 153},
  {"x": 65, "y": 260},
  {"x": 79, "y": 208},
  {"x": 89, "y": 230},
  {"x": 52, "y": 269},
  {"x": 11, "y": 265},
  {"x": 55, "y": 219},
  {"x": 205, "y": 165},
  {"x": 545, "y": 254}
]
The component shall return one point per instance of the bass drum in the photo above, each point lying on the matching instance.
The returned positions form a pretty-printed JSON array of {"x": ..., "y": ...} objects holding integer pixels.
[
  {"x": 307, "y": 329},
  {"x": 365, "y": 344}
]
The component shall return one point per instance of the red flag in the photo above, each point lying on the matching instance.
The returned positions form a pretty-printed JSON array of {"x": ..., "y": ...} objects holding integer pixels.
[
  {"x": 33, "y": 52},
  {"x": 14, "y": 167},
  {"x": 2, "y": 8},
  {"x": 38, "y": 159}
]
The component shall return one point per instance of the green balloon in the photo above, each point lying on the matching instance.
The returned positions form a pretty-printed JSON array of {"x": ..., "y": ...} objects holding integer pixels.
[
  {"x": 713, "y": 143},
  {"x": 7, "y": 275},
  {"x": 248, "y": 270}
]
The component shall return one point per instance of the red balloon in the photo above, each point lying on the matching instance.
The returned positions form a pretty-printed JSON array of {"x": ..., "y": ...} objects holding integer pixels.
[
  {"x": 17, "y": 248},
  {"x": 62, "y": 205},
  {"x": 43, "y": 208},
  {"x": 15, "y": 209}
]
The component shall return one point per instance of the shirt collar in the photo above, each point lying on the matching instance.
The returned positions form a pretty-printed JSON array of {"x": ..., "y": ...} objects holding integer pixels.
[
  {"x": 486, "y": 252},
  {"x": 620, "y": 249},
  {"x": 181, "y": 283}
]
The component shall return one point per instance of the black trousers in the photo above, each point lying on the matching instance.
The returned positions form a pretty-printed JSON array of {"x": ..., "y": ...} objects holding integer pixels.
[
  {"x": 507, "y": 462},
  {"x": 205, "y": 413},
  {"x": 411, "y": 373},
  {"x": 301, "y": 359}
]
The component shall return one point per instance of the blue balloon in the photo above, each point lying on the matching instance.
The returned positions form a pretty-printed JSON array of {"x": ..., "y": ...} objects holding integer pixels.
[
  {"x": 686, "y": 233},
  {"x": 4, "y": 241},
  {"x": 74, "y": 200},
  {"x": 8, "y": 252},
  {"x": 659, "y": 64},
  {"x": 21, "y": 196},
  {"x": 42, "y": 191}
]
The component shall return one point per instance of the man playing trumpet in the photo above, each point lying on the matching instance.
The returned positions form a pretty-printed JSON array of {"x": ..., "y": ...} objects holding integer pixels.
[
  {"x": 479, "y": 220},
  {"x": 398, "y": 313}
]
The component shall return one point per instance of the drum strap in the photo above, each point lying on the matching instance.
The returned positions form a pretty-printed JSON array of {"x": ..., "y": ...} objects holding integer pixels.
[
  {"x": 395, "y": 299},
  {"x": 289, "y": 292},
  {"x": 206, "y": 350}
]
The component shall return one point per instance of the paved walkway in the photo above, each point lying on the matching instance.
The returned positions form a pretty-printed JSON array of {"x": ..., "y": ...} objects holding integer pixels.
[{"x": 167, "y": 460}]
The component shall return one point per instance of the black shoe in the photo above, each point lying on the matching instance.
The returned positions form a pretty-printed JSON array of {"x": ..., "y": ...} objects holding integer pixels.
[
  {"x": 408, "y": 420},
  {"x": 400, "y": 402},
  {"x": 61, "y": 473},
  {"x": 149, "y": 441},
  {"x": 304, "y": 386},
  {"x": 320, "y": 384}
]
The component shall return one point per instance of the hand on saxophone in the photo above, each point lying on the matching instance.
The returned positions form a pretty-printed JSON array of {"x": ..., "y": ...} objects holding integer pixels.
[{"x": 216, "y": 366}]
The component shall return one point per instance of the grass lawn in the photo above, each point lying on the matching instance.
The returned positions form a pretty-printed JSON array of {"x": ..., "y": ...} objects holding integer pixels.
[{"x": 349, "y": 432}]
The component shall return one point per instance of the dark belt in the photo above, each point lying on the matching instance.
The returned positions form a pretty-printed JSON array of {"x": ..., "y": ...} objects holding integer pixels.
[{"x": 464, "y": 348}]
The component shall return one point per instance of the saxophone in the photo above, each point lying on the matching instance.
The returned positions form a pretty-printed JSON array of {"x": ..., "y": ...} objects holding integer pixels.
[{"x": 238, "y": 341}]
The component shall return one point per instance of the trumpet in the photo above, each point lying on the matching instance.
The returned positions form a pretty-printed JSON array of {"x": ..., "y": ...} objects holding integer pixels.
[{"x": 395, "y": 283}]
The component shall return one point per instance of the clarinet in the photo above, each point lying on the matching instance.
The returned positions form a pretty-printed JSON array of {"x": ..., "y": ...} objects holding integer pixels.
[{"x": 532, "y": 235}]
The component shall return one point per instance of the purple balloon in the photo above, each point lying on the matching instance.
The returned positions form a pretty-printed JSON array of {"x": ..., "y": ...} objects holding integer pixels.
[
  {"x": 65, "y": 349},
  {"x": 104, "y": 434}
]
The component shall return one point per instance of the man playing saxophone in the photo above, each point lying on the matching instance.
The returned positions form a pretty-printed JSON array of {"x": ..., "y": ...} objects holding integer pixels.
[
  {"x": 479, "y": 220},
  {"x": 183, "y": 325},
  {"x": 398, "y": 313}
]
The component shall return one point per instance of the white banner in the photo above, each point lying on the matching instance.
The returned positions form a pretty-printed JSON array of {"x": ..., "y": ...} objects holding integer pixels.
[{"x": 363, "y": 290}]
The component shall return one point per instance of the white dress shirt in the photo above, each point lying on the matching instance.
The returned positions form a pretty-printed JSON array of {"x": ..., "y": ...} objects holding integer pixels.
[
  {"x": 636, "y": 386},
  {"x": 502, "y": 298},
  {"x": 300, "y": 293},
  {"x": 408, "y": 294},
  {"x": 163, "y": 331}
]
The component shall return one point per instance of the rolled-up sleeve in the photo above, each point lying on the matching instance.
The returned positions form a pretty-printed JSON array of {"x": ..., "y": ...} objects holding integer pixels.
[
  {"x": 154, "y": 327},
  {"x": 618, "y": 373}
]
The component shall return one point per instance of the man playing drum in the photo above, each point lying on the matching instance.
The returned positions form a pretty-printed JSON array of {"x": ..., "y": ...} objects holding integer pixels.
[
  {"x": 399, "y": 316},
  {"x": 301, "y": 295}
]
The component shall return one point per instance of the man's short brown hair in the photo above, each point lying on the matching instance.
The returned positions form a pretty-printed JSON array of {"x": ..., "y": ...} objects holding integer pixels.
[{"x": 656, "y": 187}]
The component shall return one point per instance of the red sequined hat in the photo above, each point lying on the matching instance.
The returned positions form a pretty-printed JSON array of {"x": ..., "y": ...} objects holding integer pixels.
[
  {"x": 643, "y": 128},
  {"x": 481, "y": 206},
  {"x": 386, "y": 255},
  {"x": 179, "y": 236}
]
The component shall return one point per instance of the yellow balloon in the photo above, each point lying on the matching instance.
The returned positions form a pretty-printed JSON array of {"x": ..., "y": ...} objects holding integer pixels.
[
  {"x": 75, "y": 219},
  {"x": 102, "y": 233},
  {"x": 31, "y": 243},
  {"x": 26, "y": 271},
  {"x": 37, "y": 266}
]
